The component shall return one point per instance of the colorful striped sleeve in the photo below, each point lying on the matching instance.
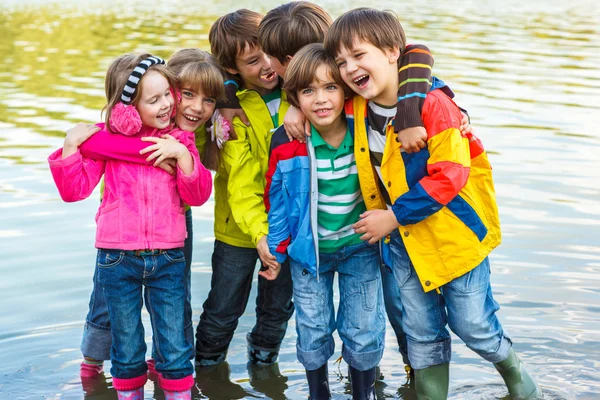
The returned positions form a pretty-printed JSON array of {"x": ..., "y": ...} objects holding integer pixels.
[
  {"x": 415, "y": 82},
  {"x": 448, "y": 165}
]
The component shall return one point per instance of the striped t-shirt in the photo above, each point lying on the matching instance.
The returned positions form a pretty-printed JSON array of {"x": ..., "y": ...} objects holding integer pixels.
[
  {"x": 273, "y": 101},
  {"x": 379, "y": 117},
  {"x": 340, "y": 201}
]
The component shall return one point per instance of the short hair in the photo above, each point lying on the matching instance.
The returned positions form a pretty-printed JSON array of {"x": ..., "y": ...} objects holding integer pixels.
[
  {"x": 380, "y": 28},
  {"x": 291, "y": 26},
  {"x": 198, "y": 70},
  {"x": 301, "y": 72},
  {"x": 230, "y": 34},
  {"x": 117, "y": 76}
]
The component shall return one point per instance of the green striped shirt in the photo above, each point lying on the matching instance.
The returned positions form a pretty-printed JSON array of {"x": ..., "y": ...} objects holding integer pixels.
[
  {"x": 340, "y": 200},
  {"x": 273, "y": 101}
]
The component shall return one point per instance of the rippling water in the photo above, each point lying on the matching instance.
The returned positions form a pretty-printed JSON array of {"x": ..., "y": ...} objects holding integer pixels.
[{"x": 527, "y": 73}]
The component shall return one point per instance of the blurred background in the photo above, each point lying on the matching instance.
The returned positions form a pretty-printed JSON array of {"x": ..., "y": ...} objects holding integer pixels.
[{"x": 528, "y": 74}]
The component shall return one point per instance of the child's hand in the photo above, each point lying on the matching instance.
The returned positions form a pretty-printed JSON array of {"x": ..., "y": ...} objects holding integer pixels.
[
  {"x": 169, "y": 165},
  {"x": 270, "y": 274},
  {"x": 296, "y": 125},
  {"x": 465, "y": 126},
  {"x": 375, "y": 225},
  {"x": 268, "y": 259},
  {"x": 413, "y": 139},
  {"x": 229, "y": 113},
  {"x": 165, "y": 147},
  {"x": 76, "y": 136}
]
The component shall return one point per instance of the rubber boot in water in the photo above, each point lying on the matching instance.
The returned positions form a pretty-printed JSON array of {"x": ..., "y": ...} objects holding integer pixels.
[
  {"x": 520, "y": 384},
  {"x": 363, "y": 383},
  {"x": 432, "y": 383},
  {"x": 318, "y": 383}
]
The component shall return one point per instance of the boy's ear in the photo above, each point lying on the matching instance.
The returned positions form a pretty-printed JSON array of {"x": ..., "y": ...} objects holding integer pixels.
[
  {"x": 232, "y": 71},
  {"x": 394, "y": 54},
  {"x": 288, "y": 58}
]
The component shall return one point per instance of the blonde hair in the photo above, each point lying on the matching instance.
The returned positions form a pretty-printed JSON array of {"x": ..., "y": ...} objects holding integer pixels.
[
  {"x": 117, "y": 75},
  {"x": 380, "y": 28},
  {"x": 291, "y": 26},
  {"x": 230, "y": 34},
  {"x": 198, "y": 70},
  {"x": 300, "y": 74}
]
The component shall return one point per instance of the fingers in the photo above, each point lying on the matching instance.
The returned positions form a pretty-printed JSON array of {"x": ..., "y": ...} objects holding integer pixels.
[
  {"x": 167, "y": 136},
  {"x": 151, "y": 139},
  {"x": 149, "y": 148},
  {"x": 244, "y": 118},
  {"x": 290, "y": 137},
  {"x": 152, "y": 156},
  {"x": 159, "y": 160}
]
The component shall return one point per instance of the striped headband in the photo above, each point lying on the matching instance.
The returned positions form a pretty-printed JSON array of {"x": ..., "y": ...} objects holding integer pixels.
[{"x": 135, "y": 77}]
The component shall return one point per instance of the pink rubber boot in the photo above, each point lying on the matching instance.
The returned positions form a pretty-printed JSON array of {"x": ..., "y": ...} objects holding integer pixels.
[
  {"x": 90, "y": 368},
  {"x": 130, "y": 388},
  {"x": 177, "y": 389}
]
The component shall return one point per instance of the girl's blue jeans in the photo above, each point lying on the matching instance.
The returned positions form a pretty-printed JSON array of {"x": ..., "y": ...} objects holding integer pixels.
[
  {"x": 465, "y": 304},
  {"x": 97, "y": 338},
  {"x": 128, "y": 281},
  {"x": 360, "y": 317}
]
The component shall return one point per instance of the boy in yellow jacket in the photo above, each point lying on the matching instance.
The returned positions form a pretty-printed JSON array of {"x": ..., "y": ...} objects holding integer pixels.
[
  {"x": 436, "y": 206},
  {"x": 240, "y": 217}
]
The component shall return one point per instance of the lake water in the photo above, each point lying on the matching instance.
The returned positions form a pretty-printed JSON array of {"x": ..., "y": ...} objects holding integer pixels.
[{"x": 526, "y": 71}]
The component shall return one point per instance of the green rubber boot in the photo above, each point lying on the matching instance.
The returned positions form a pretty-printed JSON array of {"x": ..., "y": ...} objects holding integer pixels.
[
  {"x": 520, "y": 384},
  {"x": 432, "y": 383}
]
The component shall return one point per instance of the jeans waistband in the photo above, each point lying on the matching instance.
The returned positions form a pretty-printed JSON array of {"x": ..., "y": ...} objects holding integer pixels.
[{"x": 145, "y": 252}]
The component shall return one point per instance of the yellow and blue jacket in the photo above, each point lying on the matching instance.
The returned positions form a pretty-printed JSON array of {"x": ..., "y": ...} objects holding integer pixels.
[
  {"x": 443, "y": 196},
  {"x": 239, "y": 185}
]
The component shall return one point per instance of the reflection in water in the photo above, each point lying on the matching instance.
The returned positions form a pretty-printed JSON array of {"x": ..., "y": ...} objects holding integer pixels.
[{"x": 526, "y": 71}]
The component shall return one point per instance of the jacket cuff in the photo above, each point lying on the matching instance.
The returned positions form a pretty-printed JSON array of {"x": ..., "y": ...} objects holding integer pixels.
[
  {"x": 55, "y": 159},
  {"x": 400, "y": 213},
  {"x": 407, "y": 116}
]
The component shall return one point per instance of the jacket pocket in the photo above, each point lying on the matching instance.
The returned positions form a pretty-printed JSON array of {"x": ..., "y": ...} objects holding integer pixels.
[{"x": 109, "y": 223}]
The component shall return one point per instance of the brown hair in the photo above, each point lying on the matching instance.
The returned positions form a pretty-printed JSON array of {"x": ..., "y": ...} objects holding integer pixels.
[
  {"x": 291, "y": 26},
  {"x": 117, "y": 75},
  {"x": 230, "y": 34},
  {"x": 198, "y": 70},
  {"x": 380, "y": 28},
  {"x": 300, "y": 74}
]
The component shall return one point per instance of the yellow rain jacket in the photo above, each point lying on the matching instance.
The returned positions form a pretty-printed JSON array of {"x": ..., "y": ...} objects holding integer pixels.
[
  {"x": 239, "y": 185},
  {"x": 443, "y": 196}
]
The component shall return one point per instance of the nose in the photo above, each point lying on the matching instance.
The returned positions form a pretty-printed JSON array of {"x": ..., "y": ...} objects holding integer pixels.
[
  {"x": 320, "y": 96},
  {"x": 351, "y": 66}
]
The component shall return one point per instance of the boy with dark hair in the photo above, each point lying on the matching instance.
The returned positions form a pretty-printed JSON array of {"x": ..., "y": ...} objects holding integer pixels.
[
  {"x": 240, "y": 216},
  {"x": 437, "y": 209}
]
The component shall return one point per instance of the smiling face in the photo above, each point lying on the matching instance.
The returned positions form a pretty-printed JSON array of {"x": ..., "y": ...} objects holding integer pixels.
[
  {"x": 155, "y": 102},
  {"x": 195, "y": 109},
  {"x": 370, "y": 72},
  {"x": 254, "y": 66},
  {"x": 323, "y": 101}
]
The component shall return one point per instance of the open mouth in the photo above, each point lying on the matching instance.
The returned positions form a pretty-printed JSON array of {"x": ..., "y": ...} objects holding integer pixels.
[
  {"x": 361, "y": 81},
  {"x": 165, "y": 116},
  {"x": 191, "y": 118},
  {"x": 323, "y": 112},
  {"x": 269, "y": 76}
]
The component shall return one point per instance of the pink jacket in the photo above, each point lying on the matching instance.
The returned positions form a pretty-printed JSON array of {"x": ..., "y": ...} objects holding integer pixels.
[{"x": 142, "y": 206}]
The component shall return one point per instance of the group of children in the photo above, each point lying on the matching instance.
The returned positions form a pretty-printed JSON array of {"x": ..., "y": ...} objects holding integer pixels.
[{"x": 388, "y": 187}]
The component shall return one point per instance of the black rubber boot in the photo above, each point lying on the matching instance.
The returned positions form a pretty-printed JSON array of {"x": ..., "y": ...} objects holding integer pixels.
[
  {"x": 318, "y": 383},
  {"x": 363, "y": 383}
]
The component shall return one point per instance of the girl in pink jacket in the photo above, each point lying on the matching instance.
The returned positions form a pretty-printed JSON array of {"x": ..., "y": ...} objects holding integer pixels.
[{"x": 141, "y": 223}]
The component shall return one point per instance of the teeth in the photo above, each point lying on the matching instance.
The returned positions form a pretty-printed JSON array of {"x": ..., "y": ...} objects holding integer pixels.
[
  {"x": 193, "y": 119},
  {"x": 355, "y": 80}
]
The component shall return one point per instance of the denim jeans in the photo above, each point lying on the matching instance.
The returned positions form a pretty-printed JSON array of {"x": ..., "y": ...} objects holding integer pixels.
[
  {"x": 97, "y": 339},
  {"x": 233, "y": 269},
  {"x": 393, "y": 309},
  {"x": 360, "y": 319},
  {"x": 160, "y": 279},
  {"x": 466, "y": 304}
]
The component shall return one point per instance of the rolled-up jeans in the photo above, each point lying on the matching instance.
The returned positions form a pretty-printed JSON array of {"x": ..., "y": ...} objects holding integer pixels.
[
  {"x": 96, "y": 340},
  {"x": 465, "y": 304},
  {"x": 360, "y": 319}
]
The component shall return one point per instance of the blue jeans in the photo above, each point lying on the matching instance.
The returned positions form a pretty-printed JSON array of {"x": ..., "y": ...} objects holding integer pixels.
[
  {"x": 360, "y": 319},
  {"x": 97, "y": 339},
  {"x": 393, "y": 309},
  {"x": 160, "y": 279},
  {"x": 466, "y": 304},
  {"x": 232, "y": 274}
]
